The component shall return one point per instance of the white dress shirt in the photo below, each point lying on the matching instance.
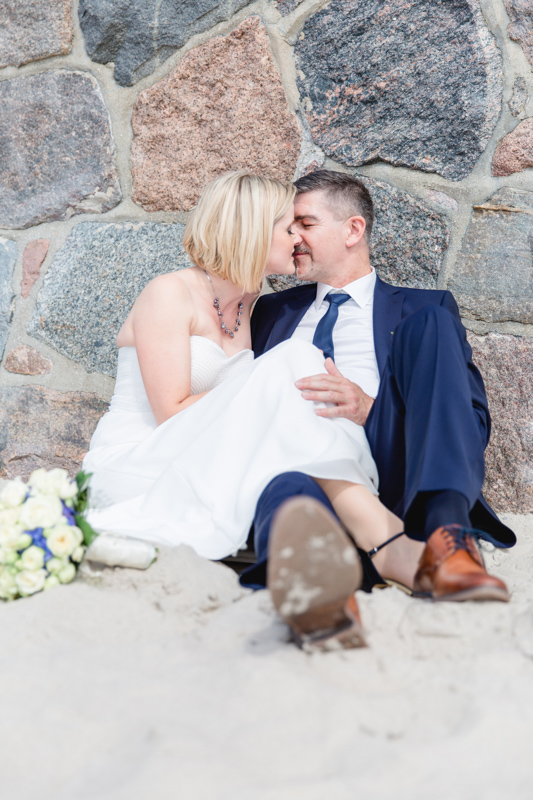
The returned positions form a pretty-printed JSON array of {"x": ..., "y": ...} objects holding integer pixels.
[{"x": 353, "y": 334}]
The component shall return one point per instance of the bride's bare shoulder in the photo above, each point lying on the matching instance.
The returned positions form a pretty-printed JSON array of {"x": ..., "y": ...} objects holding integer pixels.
[{"x": 171, "y": 285}]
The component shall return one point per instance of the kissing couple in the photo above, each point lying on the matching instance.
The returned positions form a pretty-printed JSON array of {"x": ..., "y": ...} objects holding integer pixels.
[{"x": 344, "y": 419}]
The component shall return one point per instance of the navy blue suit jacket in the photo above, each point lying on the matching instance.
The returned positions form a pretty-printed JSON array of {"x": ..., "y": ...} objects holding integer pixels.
[{"x": 277, "y": 315}]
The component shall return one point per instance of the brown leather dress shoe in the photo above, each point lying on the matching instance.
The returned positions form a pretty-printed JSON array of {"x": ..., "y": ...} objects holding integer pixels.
[
  {"x": 451, "y": 568},
  {"x": 313, "y": 572}
]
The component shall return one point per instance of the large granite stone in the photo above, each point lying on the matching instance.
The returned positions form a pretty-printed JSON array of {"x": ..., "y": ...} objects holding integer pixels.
[
  {"x": 493, "y": 276},
  {"x": 520, "y": 28},
  {"x": 93, "y": 282},
  {"x": 31, "y": 29},
  {"x": 8, "y": 258},
  {"x": 412, "y": 82},
  {"x": 44, "y": 428},
  {"x": 514, "y": 152},
  {"x": 223, "y": 108},
  {"x": 408, "y": 240},
  {"x": 57, "y": 152},
  {"x": 506, "y": 363},
  {"x": 138, "y": 35}
]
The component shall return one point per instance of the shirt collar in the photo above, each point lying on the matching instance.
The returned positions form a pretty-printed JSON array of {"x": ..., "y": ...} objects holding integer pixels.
[{"x": 361, "y": 290}]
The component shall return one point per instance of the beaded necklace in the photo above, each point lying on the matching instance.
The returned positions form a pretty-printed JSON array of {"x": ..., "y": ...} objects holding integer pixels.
[{"x": 216, "y": 303}]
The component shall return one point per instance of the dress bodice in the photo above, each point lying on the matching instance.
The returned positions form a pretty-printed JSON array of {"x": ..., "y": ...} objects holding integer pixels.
[{"x": 209, "y": 367}]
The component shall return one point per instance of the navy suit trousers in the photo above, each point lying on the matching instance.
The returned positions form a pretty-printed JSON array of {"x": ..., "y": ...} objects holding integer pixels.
[{"x": 423, "y": 429}]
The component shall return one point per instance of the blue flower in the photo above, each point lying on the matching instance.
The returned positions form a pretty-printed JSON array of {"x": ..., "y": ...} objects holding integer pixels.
[
  {"x": 39, "y": 539},
  {"x": 68, "y": 513}
]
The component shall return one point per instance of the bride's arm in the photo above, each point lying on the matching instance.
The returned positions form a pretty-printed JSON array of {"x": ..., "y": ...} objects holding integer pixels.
[{"x": 161, "y": 320}]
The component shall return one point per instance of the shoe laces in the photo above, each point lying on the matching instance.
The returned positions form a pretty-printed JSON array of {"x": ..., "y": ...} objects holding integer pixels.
[{"x": 459, "y": 538}]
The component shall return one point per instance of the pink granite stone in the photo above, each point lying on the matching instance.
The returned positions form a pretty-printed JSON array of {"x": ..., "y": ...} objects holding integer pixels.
[
  {"x": 24, "y": 360},
  {"x": 42, "y": 427},
  {"x": 33, "y": 29},
  {"x": 514, "y": 152},
  {"x": 520, "y": 28},
  {"x": 222, "y": 108},
  {"x": 506, "y": 363},
  {"x": 32, "y": 259}
]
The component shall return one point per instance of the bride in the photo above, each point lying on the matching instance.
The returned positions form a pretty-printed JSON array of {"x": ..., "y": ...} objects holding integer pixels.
[{"x": 196, "y": 427}]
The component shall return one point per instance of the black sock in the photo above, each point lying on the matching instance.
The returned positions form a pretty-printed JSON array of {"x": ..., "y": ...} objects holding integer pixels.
[{"x": 430, "y": 510}]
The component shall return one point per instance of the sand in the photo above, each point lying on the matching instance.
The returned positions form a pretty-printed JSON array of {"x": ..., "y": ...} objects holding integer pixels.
[{"x": 175, "y": 683}]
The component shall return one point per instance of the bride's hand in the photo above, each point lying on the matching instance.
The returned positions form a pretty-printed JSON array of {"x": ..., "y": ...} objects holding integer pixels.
[{"x": 349, "y": 399}]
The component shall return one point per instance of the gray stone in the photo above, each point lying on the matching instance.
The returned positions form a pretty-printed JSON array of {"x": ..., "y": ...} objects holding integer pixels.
[
  {"x": 519, "y": 98},
  {"x": 93, "y": 282},
  {"x": 521, "y": 27},
  {"x": 493, "y": 276},
  {"x": 506, "y": 363},
  {"x": 57, "y": 152},
  {"x": 408, "y": 240},
  {"x": 286, "y": 6},
  {"x": 31, "y": 30},
  {"x": 412, "y": 82},
  {"x": 8, "y": 258},
  {"x": 138, "y": 35},
  {"x": 44, "y": 428}
]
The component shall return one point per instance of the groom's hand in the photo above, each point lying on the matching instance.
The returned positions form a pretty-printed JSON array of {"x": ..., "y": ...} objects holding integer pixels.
[{"x": 350, "y": 400}]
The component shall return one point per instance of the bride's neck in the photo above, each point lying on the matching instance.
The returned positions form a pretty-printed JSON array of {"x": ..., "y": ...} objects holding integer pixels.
[{"x": 227, "y": 292}]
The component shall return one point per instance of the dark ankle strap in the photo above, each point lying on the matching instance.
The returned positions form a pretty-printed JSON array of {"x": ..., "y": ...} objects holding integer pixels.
[{"x": 372, "y": 553}]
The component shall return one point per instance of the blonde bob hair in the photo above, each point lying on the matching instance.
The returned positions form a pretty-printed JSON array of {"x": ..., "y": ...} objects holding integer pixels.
[{"x": 229, "y": 233}]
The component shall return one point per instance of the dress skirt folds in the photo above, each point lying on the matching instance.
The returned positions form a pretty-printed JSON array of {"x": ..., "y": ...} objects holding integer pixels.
[{"x": 196, "y": 478}]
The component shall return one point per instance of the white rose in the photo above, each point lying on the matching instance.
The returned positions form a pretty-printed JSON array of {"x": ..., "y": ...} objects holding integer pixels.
[
  {"x": 8, "y": 557},
  {"x": 68, "y": 489},
  {"x": 54, "y": 481},
  {"x": 9, "y": 516},
  {"x": 24, "y": 541},
  {"x": 67, "y": 574},
  {"x": 8, "y": 586},
  {"x": 78, "y": 553},
  {"x": 41, "y": 511},
  {"x": 51, "y": 581},
  {"x": 55, "y": 565},
  {"x": 13, "y": 493},
  {"x": 10, "y": 536},
  {"x": 64, "y": 539},
  {"x": 38, "y": 481},
  {"x": 30, "y": 581},
  {"x": 33, "y": 558}
]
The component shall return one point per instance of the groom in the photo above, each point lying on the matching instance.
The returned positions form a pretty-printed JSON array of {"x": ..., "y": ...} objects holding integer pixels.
[{"x": 403, "y": 369}]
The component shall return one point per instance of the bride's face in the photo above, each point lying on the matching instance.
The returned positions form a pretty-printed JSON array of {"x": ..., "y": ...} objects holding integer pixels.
[{"x": 284, "y": 240}]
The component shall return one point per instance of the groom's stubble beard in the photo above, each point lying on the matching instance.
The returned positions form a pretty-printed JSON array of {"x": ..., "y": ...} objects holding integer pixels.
[{"x": 308, "y": 270}]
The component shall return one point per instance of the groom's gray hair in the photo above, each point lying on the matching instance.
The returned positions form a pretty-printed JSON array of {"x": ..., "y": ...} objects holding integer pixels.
[{"x": 348, "y": 195}]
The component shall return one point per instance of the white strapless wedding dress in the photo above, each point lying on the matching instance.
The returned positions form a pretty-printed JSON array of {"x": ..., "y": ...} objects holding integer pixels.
[{"x": 196, "y": 478}]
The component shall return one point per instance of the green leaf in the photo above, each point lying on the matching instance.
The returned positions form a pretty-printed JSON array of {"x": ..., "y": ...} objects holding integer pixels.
[
  {"x": 89, "y": 534},
  {"x": 82, "y": 480}
]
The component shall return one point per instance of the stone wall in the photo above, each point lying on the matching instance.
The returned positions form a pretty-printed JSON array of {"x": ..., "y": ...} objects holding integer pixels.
[{"x": 113, "y": 116}]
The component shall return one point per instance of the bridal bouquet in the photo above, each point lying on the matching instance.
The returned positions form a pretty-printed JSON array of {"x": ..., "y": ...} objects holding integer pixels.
[{"x": 43, "y": 534}]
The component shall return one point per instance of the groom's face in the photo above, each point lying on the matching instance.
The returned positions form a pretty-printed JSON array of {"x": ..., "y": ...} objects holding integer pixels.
[{"x": 323, "y": 236}]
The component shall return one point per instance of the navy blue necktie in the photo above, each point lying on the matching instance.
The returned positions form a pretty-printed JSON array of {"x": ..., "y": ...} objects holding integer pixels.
[{"x": 323, "y": 338}]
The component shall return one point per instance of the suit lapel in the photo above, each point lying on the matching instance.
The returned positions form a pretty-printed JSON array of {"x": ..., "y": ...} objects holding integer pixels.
[
  {"x": 289, "y": 315},
  {"x": 388, "y": 304}
]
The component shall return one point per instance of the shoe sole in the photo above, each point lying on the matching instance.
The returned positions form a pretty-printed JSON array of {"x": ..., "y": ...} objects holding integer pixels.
[
  {"x": 313, "y": 571},
  {"x": 476, "y": 594}
]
